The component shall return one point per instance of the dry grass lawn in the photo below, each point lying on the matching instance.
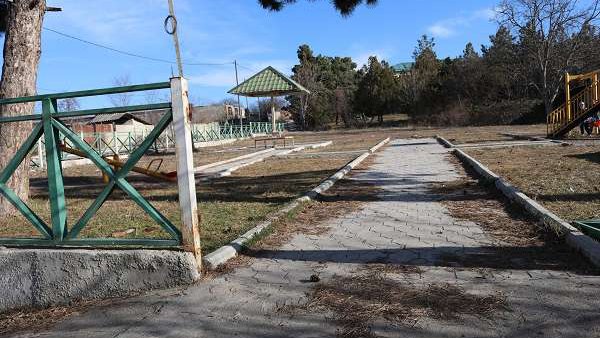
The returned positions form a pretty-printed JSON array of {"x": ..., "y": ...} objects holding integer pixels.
[
  {"x": 228, "y": 206},
  {"x": 566, "y": 180},
  {"x": 520, "y": 242}
]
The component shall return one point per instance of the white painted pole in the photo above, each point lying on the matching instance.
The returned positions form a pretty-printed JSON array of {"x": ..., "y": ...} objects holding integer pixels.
[
  {"x": 185, "y": 168},
  {"x": 115, "y": 151},
  {"x": 166, "y": 133},
  {"x": 272, "y": 115},
  {"x": 40, "y": 149}
]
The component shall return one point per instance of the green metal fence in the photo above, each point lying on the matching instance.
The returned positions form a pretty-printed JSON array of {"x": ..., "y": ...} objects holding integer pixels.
[
  {"x": 55, "y": 133},
  {"x": 234, "y": 131},
  {"x": 122, "y": 143}
]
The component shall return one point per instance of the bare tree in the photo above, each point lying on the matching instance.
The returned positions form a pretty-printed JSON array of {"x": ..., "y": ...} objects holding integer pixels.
[
  {"x": 156, "y": 96},
  {"x": 70, "y": 104},
  {"x": 22, "y": 23},
  {"x": 551, "y": 34},
  {"x": 230, "y": 101},
  {"x": 121, "y": 99}
]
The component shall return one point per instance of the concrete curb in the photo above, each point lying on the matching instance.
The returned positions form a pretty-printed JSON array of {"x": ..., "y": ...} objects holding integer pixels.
[
  {"x": 229, "y": 171},
  {"x": 532, "y": 138},
  {"x": 207, "y": 144},
  {"x": 444, "y": 142},
  {"x": 215, "y": 164},
  {"x": 223, "y": 254},
  {"x": 304, "y": 147},
  {"x": 328, "y": 183},
  {"x": 231, "y": 250},
  {"x": 574, "y": 238}
]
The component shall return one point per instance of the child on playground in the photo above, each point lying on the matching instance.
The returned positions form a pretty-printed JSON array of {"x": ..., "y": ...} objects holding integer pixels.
[{"x": 589, "y": 123}]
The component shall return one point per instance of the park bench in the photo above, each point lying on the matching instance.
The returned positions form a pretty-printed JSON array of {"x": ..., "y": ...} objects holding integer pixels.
[{"x": 274, "y": 139}]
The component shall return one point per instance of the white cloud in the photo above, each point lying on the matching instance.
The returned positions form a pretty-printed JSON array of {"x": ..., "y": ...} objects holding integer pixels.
[
  {"x": 440, "y": 30},
  {"x": 225, "y": 76},
  {"x": 362, "y": 58},
  {"x": 487, "y": 13},
  {"x": 217, "y": 78},
  {"x": 451, "y": 26}
]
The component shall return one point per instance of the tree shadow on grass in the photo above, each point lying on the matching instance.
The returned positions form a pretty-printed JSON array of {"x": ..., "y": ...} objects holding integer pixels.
[
  {"x": 278, "y": 188},
  {"x": 591, "y": 157},
  {"x": 584, "y": 197}
]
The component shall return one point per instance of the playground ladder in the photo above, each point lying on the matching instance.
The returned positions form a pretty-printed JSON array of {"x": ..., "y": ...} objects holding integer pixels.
[{"x": 577, "y": 108}]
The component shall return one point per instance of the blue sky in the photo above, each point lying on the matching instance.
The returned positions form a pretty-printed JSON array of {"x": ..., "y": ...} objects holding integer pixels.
[{"x": 219, "y": 31}]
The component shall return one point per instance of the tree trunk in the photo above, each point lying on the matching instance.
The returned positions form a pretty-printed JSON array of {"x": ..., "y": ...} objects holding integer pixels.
[{"x": 22, "y": 49}]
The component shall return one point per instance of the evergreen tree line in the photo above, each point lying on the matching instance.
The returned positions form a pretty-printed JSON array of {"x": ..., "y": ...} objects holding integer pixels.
[{"x": 505, "y": 81}]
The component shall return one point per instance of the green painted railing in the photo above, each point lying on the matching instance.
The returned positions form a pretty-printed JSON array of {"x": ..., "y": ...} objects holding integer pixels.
[
  {"x": 55, "y": 133},
  {"x": 123, "y": 143},
  {"x": 231, "y": 131}
]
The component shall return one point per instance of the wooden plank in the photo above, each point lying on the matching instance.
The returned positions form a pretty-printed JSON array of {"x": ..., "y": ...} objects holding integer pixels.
[{"x": 185, "y": 167}]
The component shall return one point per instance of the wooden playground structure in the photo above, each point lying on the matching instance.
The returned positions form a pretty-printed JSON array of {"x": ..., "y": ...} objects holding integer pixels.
[
  {"x": 577, "y": 107},
  {"x": 116, "y": 163}
]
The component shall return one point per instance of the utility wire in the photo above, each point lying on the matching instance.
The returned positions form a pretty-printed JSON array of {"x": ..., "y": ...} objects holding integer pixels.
[
  {"x": 133, "y": 54},
  {"x": 247, "y": 68}
]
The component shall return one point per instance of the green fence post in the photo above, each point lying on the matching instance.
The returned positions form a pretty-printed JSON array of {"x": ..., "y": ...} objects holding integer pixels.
[{"x": 56, "y": 189}]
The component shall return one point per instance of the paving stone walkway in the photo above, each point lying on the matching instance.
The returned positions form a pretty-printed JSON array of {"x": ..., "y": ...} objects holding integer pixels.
[{"x": 407, "y": 226}]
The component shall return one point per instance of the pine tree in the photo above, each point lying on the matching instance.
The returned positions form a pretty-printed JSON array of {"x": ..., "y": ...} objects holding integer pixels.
[{"x": 344, "y": 6}]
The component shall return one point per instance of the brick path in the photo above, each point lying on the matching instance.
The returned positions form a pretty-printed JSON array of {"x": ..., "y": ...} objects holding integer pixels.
[{"x": 407, "y": 226}]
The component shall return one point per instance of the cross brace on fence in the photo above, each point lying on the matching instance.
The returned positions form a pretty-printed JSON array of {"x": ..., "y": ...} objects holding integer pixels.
[{"x": 50, "y": 128}]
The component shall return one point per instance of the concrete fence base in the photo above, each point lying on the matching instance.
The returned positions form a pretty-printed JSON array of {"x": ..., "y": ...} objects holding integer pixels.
[{"x": 45, "y": 277}]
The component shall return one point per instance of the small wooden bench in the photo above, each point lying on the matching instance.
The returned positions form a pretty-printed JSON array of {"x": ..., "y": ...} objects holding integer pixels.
[{"x": 274, "y": 139}]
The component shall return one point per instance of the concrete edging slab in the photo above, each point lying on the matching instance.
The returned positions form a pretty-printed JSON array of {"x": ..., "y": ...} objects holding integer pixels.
[
  {"x": 231, "y": 250},
  {"x": 573, "y": 237},
  {"x": 242, "y": 157},
  {"x": 229, "y": 171},
  {"x": 444, "y": 142},
  {"x": 48, "y": 277}
]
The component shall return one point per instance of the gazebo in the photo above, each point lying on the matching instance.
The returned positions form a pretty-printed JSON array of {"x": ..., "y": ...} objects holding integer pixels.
[{"x": 269, "y": 82}]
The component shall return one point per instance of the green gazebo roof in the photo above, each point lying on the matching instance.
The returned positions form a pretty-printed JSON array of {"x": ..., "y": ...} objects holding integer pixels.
[
  {"x": 266, "y": 83},
  {"x": 403, "y": 67}
]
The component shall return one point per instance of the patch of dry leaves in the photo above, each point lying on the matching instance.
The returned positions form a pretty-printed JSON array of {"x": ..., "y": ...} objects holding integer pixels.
[
  {"x": 520, "y": 241},
  {"x": 357, "y": 301}
]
